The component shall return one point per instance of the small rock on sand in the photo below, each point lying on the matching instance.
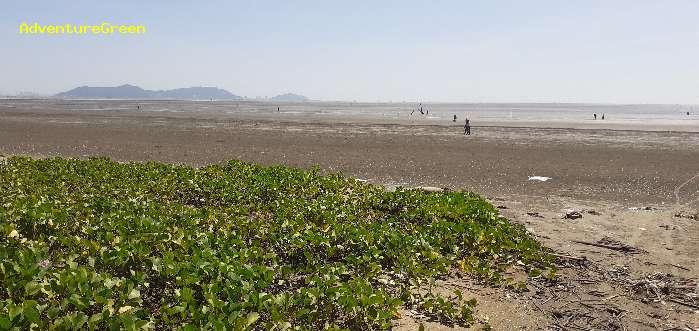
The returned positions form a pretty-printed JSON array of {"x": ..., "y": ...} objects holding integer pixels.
[
  {"x": 572, "y": 214},
  {"x": 690, "y": 216},
  {"x": 647, "y": 208}
]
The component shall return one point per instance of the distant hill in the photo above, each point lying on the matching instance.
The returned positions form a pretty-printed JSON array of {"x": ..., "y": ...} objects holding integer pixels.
[
  {"x": 135, "y": 92},
  {"x": 117, "y": 92},
  {"x": 196, "y": 93},
  {"x": 289, "y": 97}
]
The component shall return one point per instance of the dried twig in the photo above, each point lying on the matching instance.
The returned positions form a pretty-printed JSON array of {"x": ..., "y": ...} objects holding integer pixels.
[
  {"x": 622, "y": 248},
  {"x": 679, "y": 266},
  {"x": 680, "y": 302},
  {"x": 576, "y": 258}
]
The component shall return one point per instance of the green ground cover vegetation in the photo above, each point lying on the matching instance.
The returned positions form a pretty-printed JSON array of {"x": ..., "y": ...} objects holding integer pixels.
[{"x": 97, "y": 244}]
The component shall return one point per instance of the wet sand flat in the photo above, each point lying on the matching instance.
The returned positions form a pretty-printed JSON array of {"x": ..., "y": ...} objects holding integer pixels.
[{"x": 614, "y": 165}]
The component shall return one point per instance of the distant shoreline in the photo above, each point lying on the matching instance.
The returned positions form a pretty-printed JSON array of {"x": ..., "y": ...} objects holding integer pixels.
[
  {"x": 268, "y": 100},
  {"x": 662, "y": 119}
]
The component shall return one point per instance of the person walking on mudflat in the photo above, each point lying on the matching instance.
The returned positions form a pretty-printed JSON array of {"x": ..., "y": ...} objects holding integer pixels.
[{"x": 467, "y": 127}]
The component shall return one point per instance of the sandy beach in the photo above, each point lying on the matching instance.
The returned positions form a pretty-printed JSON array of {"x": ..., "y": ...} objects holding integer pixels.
[{"x": 635, "y": 186}]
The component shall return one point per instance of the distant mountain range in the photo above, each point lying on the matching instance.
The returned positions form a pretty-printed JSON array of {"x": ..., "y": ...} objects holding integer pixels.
[
  {"x": 135, "y": 92},
  {"x": 190, "y": 93}
]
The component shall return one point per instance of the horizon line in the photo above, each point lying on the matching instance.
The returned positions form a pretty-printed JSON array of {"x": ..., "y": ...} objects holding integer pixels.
[{"x": 268, "y": 100}]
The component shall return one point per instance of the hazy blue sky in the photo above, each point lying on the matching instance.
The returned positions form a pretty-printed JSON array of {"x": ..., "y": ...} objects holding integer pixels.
[{"x": 631, "y": 51}]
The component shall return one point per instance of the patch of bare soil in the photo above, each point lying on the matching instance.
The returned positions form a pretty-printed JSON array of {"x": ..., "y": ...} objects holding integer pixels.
[{"x": 620, "y": 268}]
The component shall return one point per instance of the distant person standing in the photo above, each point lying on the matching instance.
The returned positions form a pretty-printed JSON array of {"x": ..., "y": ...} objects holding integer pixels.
[
  {"x": 603, "y": 117},
  {"x": 467, "y": 127},
  {"x": 277, "y": 109},
  {"x": 454, "y": 117},
  {"x": 595, "y": 115}
]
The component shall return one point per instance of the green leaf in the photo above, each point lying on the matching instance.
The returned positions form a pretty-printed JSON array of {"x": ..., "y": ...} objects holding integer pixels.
[
  {"x": 95, "y": 319},
  {"x": 5, "y": 323},
  {"x": 30, "y": 313},
  {"x": 31, "y": 288},
  {"x": 251, "y": 318},
  {"x": 14, "y": 310},
  {"x": 134, "y": 294}
]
